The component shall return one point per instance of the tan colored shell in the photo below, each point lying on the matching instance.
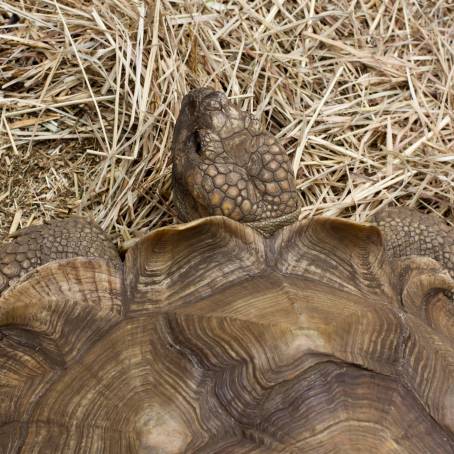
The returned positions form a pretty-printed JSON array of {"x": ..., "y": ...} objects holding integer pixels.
[{"x": 213, "y": 339}]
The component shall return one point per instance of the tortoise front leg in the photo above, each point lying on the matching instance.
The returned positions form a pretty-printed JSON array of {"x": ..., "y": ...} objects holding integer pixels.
[
  {"x": 409, "y": 233},
  {"x": 62, "y": 239}
]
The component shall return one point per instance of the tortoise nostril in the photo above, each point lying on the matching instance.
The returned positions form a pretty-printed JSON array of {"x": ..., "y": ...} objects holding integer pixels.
[{"x": 195, "y": 141}]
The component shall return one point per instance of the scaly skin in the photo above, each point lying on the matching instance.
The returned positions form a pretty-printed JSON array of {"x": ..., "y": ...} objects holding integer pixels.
[
  {"x": 224, "y": 164},
  {"x": 407, "y": 232},
  {"x": 62, "y": 239}
]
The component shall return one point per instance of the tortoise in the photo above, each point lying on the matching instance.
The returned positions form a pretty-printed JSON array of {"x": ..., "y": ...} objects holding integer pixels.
[{"x": 241, "y": 330}]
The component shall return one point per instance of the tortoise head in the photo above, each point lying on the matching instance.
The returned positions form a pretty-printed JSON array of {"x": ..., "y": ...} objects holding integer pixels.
[{"x": 224, "y": 164}]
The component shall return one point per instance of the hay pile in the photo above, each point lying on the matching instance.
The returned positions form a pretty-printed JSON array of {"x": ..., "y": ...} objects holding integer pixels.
[{"x": 361, "y": 94}]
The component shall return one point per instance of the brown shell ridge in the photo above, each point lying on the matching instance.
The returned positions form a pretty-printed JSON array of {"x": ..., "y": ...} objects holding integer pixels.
[
  {"x": 425, "y": 290},
  {"x": 222, "y": 332},
  {"x": 84, "y": 294},
  {"x": 356, "y": 243},
  {"x": 208, "y": 253},
  {"x": 425, "y": 349},
  {"x": 194, "y": 258},
  {"x": 345, "y": 254},
  {"x": 186, "y": 337},
  {"x": 48, "y": 321}
]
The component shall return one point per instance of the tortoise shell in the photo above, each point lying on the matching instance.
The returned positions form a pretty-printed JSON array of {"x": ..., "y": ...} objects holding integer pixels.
[{"x": 211, "y": 338}]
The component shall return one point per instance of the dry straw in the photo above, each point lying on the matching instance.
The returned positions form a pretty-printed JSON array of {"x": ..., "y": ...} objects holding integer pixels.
[{"x": 361, "y": 94}]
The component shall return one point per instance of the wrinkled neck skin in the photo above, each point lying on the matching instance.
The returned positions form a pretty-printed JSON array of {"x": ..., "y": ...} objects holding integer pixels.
[{"x": 224, "y": 164}]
